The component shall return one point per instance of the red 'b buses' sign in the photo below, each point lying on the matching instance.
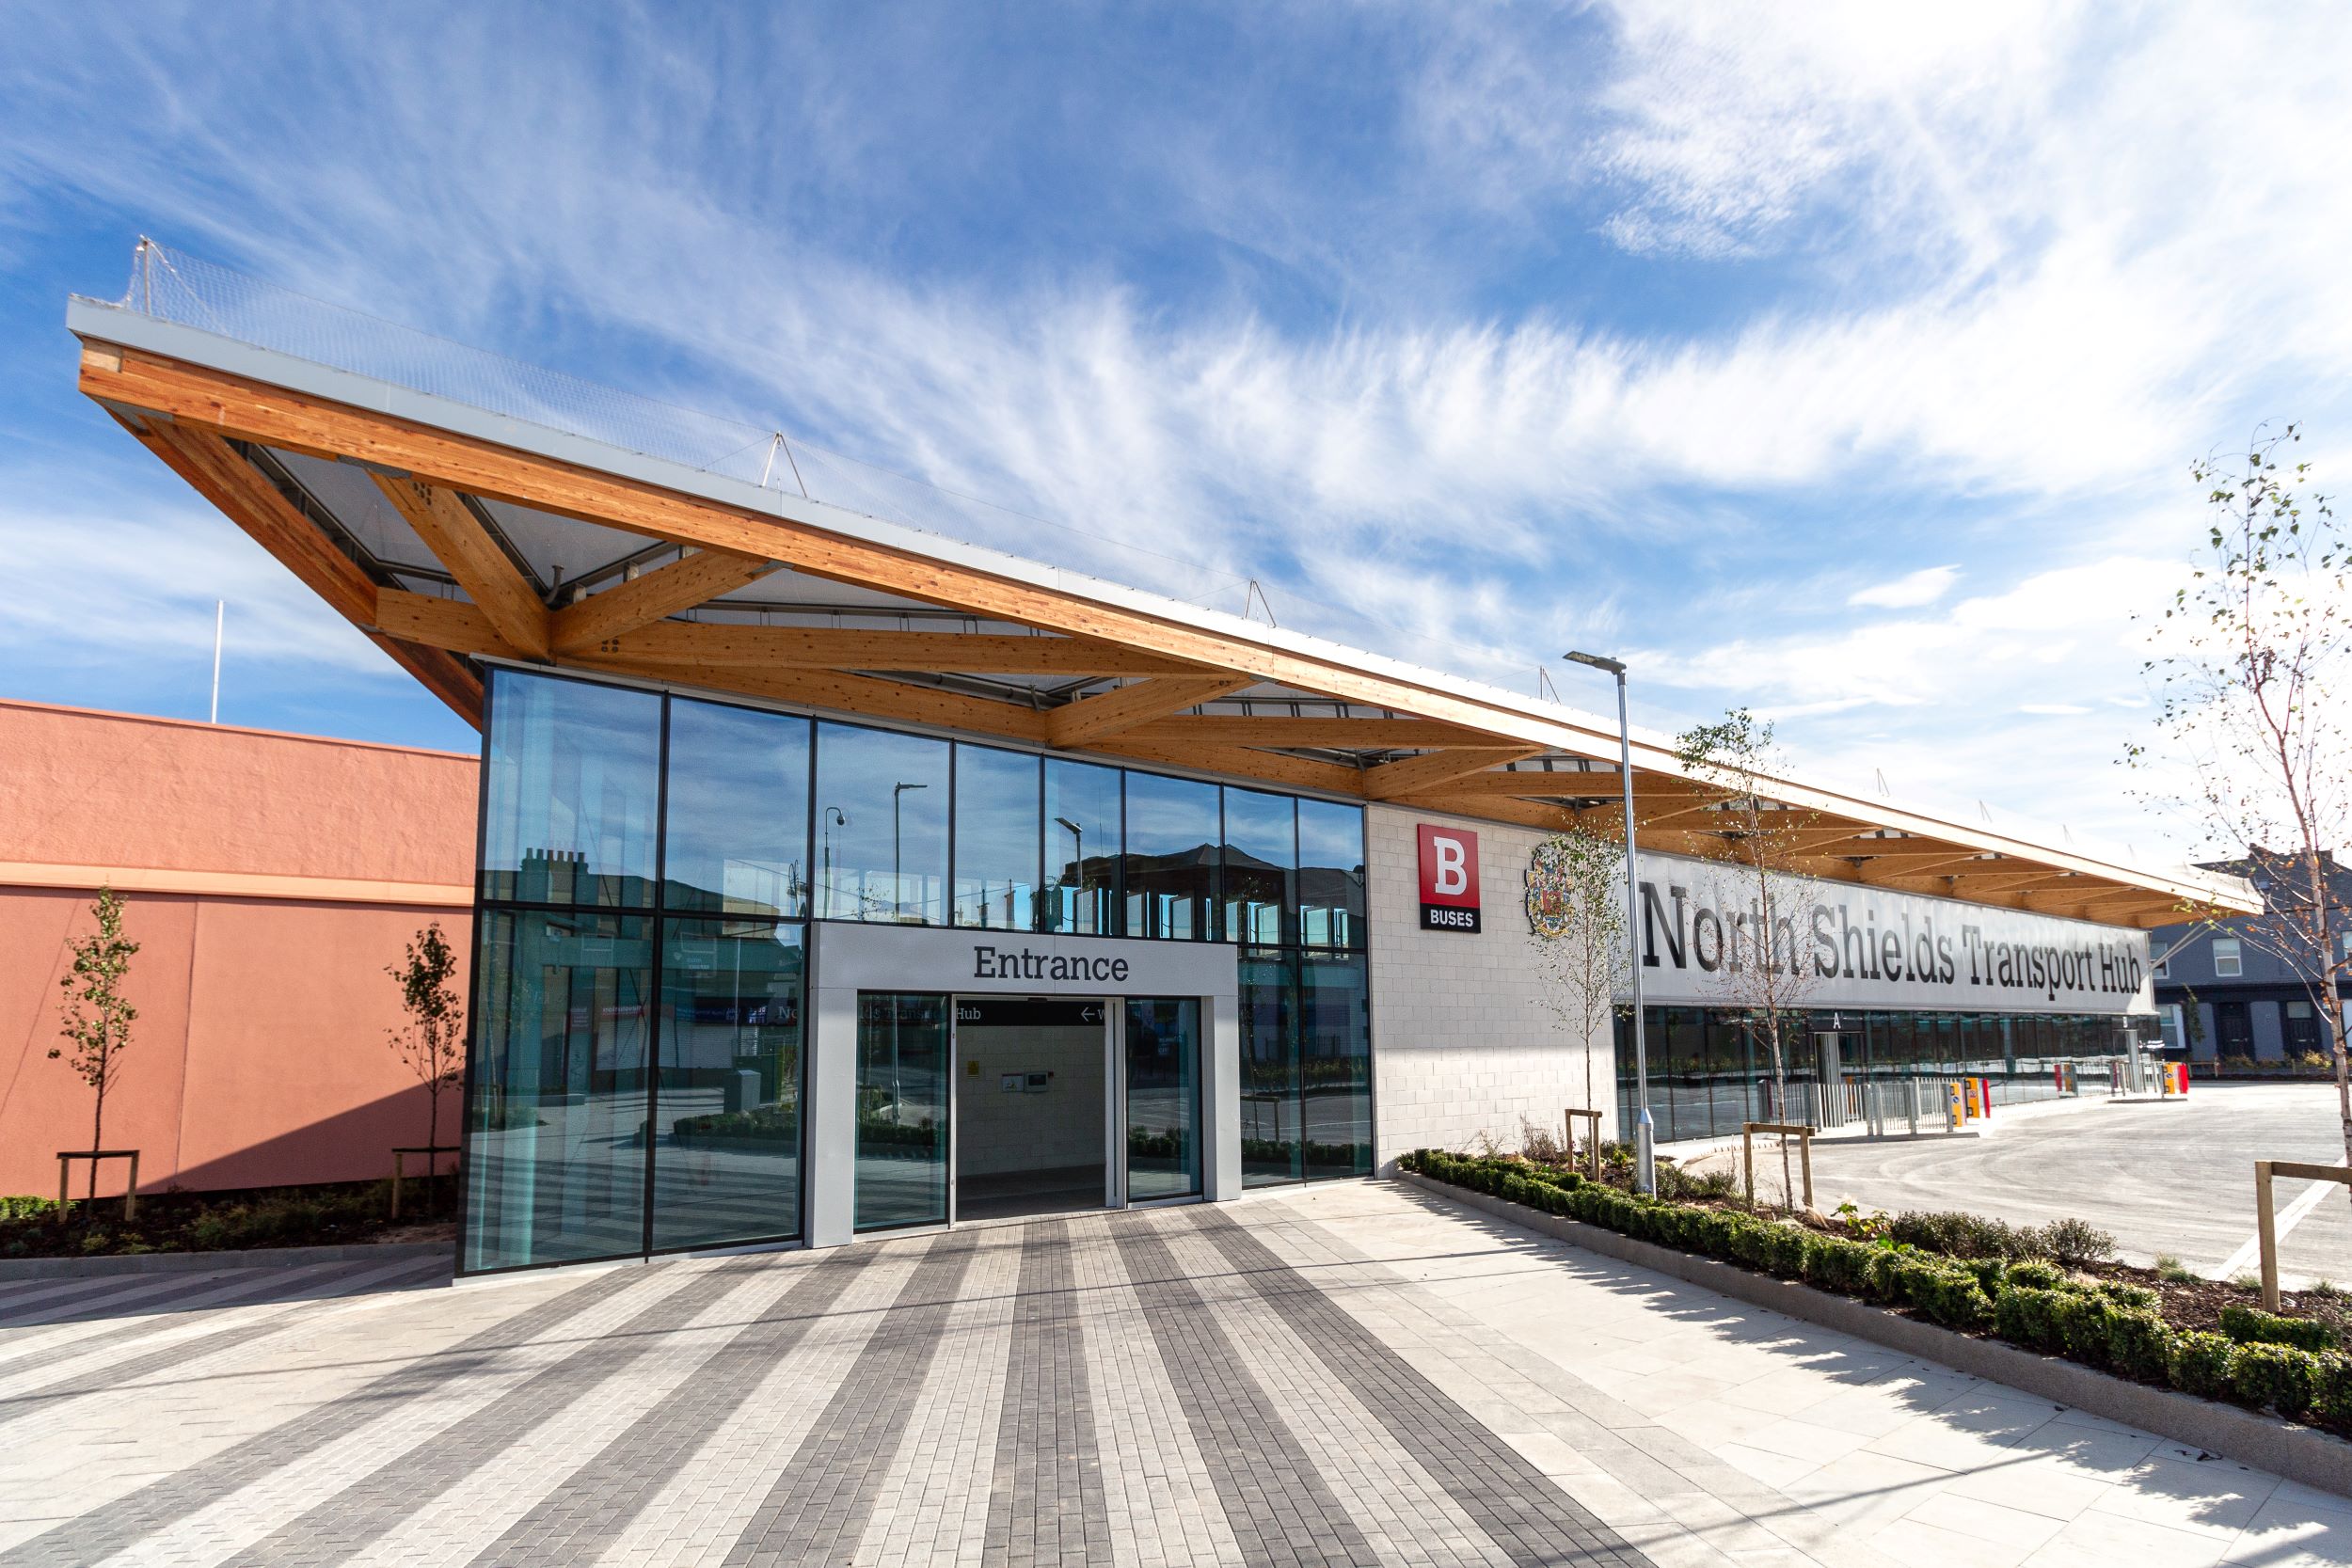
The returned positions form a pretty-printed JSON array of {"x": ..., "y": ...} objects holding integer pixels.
[{"x": 1449, "y": 878}]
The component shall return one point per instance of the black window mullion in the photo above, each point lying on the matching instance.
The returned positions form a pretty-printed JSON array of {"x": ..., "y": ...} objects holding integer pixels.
[{"x": 658, "y": 932}]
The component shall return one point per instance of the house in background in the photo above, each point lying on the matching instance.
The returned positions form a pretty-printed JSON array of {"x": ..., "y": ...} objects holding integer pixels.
[{"x": 2225, "y": 991}]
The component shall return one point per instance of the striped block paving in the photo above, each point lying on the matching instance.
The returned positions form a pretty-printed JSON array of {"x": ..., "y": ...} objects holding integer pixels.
[{"x": 1340, "y": 1376}]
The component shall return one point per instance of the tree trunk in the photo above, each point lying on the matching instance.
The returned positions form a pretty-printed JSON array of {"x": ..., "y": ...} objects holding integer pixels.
[{"x": 97, "y": 1122}]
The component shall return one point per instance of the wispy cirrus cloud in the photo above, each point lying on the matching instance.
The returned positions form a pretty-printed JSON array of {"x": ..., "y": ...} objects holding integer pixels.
[{"x": 1690, "y": 328}]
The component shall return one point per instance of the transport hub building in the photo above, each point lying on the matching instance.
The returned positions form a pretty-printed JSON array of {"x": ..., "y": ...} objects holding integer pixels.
[{"x": 838, "y": 879}]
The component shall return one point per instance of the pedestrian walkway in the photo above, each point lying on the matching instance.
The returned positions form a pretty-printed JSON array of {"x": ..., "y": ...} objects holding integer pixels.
[{"x": 1354, "y": 1373}]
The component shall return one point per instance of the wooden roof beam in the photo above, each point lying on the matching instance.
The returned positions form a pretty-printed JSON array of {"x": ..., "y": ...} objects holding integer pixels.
[
  {"x": 1318, "y": 733},
  {"x": 299, "y": 421},
  {"x": 1488, "y": 808},
  {"x": 459, "y": 542},
  {"x": 655, "y": 595},
  {"x": 1269, "y": 768},
  {"x": 1133, "y": 706},
  {"x": 724, "y": 645},
  {"x": 1534, "y": 783},
  {"x": 1450, "y": 768},
  {"x": 853, "y": 695},
  {"x": 216, "y": 472}
]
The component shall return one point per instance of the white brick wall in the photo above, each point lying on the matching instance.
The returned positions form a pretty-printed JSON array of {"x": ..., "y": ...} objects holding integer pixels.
[{"x": 1461, "y": 1044}]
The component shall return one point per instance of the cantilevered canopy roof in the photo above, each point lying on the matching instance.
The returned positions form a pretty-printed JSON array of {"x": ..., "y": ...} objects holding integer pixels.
[{"x": 453, "y": 534}]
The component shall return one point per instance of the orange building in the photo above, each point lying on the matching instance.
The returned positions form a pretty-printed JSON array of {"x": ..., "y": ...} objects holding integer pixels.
[{"x": 269, "y": 880}]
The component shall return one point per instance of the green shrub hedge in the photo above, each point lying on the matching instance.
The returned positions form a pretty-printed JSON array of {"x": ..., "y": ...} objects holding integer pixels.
[
  {"x": 2264, "y": 1361},
  {"x": 2252, "y": 1325}
]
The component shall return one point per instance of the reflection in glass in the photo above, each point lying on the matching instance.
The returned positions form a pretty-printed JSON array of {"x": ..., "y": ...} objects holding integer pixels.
[
  {"x": 1163, "y": 1098},
  {"x": 882, "y": 826},
  {"x": 1330, "y": 875},
  {"x": 1082, "y": 846},
  {"x": 1269, "y": 1072},
  {"x": 555, "y": 1161},
  {"x": 997, "y": 842},
  {"x": 573, "y": 774},
  {"x": 1170, "y": 863},
  {"x": 738, "y": 811},
  {"x": 1335, "y": 1066},
  {"x": 902, "y": 1110},
  {"x": 1261, "y": 866},
  {"x": 726, "y": 1164}
]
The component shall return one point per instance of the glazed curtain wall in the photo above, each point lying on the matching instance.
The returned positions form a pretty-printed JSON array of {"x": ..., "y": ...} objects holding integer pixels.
[
  {"x": 1711, "y": 1069},
  {"x": 649, "y": 867}
]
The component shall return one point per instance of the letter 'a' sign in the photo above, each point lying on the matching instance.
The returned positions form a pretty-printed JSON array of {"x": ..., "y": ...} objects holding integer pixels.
[{"x": 1449, "y": 878}]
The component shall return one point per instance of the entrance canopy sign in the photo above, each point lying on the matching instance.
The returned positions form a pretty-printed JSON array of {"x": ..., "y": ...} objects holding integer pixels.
[
  {"x": 1703, "y": 923},
  {"x": 931, "y": 958}
]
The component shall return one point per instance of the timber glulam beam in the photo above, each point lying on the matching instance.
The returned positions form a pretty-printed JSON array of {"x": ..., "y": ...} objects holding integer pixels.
[
  {"x": 853, "y": 695},
  {"x": 1316, "y": 734},
  {"x": 442, "y": 467},
  {"x": 639, "y": 601},
  {"x": 1130, "y": 708},
  {"x": 215, "y": 471},
  {"x": 460, "y": 542},
  {"x": 1453, "y": 768},
  {"x": 1532, "y": 783},
  {"x": 723, "y": 646}
]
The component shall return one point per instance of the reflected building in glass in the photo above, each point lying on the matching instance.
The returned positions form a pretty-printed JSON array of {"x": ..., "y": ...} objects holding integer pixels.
[{"x": 658, "y": 875}]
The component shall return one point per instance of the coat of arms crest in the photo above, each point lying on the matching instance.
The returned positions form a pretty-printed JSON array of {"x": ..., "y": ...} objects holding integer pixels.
[{"x": 1548, "y": 890}]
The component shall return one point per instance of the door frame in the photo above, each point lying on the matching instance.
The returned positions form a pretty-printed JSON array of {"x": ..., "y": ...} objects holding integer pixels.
[{"x": 1114, "y": 1093}]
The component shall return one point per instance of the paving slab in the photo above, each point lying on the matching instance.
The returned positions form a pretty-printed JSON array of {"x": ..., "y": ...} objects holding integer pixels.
[{"x": 1353, "y": 1373}]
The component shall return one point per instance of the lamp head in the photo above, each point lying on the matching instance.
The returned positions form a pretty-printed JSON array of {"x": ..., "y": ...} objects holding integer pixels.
[{"x": 1615, "y": 667}]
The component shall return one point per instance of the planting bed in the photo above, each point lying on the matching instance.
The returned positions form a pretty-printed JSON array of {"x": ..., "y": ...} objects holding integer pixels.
[{"x": 2190, "y": 1338}]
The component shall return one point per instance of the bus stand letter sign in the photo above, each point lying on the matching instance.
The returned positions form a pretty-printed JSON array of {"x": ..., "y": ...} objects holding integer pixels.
[{"x": 1449, "y": 878}]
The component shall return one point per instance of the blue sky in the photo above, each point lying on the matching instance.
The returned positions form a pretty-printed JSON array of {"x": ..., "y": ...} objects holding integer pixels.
[{"x": 1846, "y": 361}]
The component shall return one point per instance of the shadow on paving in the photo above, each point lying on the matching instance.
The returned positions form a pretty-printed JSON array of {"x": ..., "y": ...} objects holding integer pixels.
[{"x": 51, "y": 1303}]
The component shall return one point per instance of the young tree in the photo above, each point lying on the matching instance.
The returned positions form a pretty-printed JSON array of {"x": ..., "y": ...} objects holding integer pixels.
[
  {"x": 1576, "y": 911},
  {"x": 432, "y": 1040},
  {"x": 96, "y": 1017},
  {"x": 1765, "y": 972},
  {"x": 2253, "y": 664}
]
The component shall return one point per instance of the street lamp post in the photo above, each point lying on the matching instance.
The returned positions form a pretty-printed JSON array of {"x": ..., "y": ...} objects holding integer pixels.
[
  {"x": 1645, "y": 1163},
  {"x": 897, "y": 884},
  {"x": 1078, "y": 853},
  {"x": 833, "y": 817}
]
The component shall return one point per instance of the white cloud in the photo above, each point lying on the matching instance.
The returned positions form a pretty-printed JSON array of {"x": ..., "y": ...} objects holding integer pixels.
[
  {"x": 1909, "y": 592},
  {"x": 125, "y": 583},
  {"x": 1953, "y": 706},
  {"x": 2021, "y": 263}
]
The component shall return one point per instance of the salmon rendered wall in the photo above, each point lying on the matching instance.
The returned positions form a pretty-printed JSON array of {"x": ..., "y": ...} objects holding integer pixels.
[{"x": 269, "y": 880}]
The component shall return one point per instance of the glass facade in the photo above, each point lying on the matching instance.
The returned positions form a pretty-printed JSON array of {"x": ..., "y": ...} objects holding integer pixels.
[
  {"x": 1330, "y": 875},
  {"x": 735, "y": 823},
  {"x": 881, "y": 806},
  {"x": 649, "y": 864},
  {"x": 1270, "y": 1107},
  {"x": 1083, "y": 849},
  {"x": 555, "y": 1161},
  {"x": 1169, "y": 870},
  {"x": 998, "y": 803},
  {"x": 1261, "y": 866},
  {"x": 1163, "y": 1098},
  {"x": 903, "y": 1117},
  {"x": 574, "y": 772},
  {"x": 1711, "y": 1069},
  {"x": 1334, "y": 1065},
  {"x": 727, "y": 1091}
]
